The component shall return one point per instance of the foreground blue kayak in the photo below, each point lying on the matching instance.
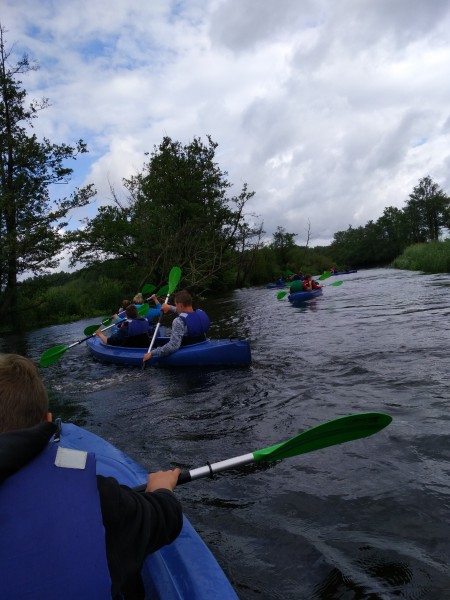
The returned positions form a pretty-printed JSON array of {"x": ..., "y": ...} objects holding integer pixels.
[
  {"x": 183, "y": 570},
  {"x": 299, "y": 297},
  {"x": 224, "y": 353}
]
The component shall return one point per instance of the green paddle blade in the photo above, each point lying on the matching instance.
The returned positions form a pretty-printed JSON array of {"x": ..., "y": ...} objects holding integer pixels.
[
  {"x": 163, "y": 291},
  {"x": 148, "y": 288},
  {"x": 281, "y": 295},
  {"x": 324, "y": 275},
  {"x": 90, "y": 329},
  {"x": 143, "y": 310},
  {"x": 338, "y": 431},
  {"x": 174, "y": 279},
  {"x": 336, "y": 283},
  {"x": 51, "y": 355}
]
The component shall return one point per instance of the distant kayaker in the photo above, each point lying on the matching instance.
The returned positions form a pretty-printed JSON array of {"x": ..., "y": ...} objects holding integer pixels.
[
  {"x": 133, "y": 332},
  {"x": 309, "y": 284},
  {"x": 56, "y": 513},
  {"x": 189, "y": 327}
]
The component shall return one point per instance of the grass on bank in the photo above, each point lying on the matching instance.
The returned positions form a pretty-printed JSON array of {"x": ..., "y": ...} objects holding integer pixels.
[{"x": 432, "y": 257}]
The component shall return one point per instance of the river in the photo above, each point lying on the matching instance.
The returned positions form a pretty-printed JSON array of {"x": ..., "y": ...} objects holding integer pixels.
[{"x": 368, "y": 519}]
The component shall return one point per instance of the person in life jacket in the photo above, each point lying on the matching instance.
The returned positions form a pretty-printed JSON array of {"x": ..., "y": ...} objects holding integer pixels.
[
  {"x": 133, "y": 333},
  {"x": 309, "y": 284},
  {"x": 67, "y": 532},
  {"x": 189, "y": 327}
]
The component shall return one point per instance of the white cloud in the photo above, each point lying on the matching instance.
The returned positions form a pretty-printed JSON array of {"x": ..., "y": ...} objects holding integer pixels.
[{"x": 330, "y": 111}]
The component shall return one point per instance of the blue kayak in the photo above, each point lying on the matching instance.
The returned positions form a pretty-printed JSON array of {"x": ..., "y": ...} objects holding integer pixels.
[
  {"x": 184, "y": 569},
  {"x": 224, "y": 353},
  {"x": 299, "y": 297}
]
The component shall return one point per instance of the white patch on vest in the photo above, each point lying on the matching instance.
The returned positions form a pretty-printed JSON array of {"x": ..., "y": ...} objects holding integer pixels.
[{"x": 70, "y": 459}]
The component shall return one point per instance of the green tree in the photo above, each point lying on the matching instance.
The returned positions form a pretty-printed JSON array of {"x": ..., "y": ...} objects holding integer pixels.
[
  {"x": 393, "y": 232},
  {"x": 177, "y": 212},
  {"x": 283, "y": 243},
  {"x": 427, "y": 211},
  {"x": 30, "y": 222}
]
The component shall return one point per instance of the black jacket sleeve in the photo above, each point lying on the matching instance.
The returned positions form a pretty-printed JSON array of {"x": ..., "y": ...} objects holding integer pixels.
[{"x": 136, "y": 524}]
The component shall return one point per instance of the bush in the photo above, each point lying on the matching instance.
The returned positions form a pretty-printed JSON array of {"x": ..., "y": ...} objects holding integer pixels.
[{"x": 433, "y": 257}]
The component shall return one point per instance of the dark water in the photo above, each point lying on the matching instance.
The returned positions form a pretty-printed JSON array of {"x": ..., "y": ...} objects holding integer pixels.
[{"x": 369, "y": 519}]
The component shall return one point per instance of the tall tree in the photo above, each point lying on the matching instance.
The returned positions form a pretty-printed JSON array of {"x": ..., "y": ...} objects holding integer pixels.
[
  {"x": 177, "y": 212},
  {"x": 427, "y": 211},
  {"x": 30, "y": 222},
  {"x": 282, "y": 243}
]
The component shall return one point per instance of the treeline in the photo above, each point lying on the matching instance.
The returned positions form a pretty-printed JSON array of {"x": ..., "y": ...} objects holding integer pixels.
[
  {"x": 424, "y": 218},
  {"x": 177, "y": 210}
]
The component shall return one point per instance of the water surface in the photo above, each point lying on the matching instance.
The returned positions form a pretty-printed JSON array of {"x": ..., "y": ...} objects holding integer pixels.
[{"x": 368, "y": 519}]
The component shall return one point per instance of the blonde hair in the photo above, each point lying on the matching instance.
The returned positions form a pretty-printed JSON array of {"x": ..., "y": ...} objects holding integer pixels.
[
  {"x": 138, "y": 299},
  {"x": 23, "y": 397}
]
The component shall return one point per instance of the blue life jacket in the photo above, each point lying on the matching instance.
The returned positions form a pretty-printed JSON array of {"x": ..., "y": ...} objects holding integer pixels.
[
  {"x": 52, "y": 542},
  {"x": 197, "y": 323},
  {"x": 137, "y": 333},
  {"x": 137, "y": 326}
]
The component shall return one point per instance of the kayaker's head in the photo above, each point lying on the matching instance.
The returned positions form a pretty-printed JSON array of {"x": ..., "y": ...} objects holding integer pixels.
[
  {"x": 131, "y": 312},
  {"x": 23, "y": 397},
  {"x": 308, "y": 277},
  {"x": 183, "y": 301},
  {"x": 138, "y": 299}
]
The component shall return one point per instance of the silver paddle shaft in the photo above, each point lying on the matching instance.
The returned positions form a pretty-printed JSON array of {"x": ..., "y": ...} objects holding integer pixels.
[{"x": 223, "y": 465}]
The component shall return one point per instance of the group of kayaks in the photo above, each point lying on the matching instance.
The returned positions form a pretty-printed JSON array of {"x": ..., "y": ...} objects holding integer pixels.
[{"x": 186, "y": 568}]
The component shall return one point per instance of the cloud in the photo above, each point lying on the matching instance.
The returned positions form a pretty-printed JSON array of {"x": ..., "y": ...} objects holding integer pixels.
[{"x": 330, "y": 111}]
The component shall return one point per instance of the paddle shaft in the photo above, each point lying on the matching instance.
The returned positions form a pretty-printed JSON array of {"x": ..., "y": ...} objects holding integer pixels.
[
  {"x": 158, "y": 324},
  {"x": 174, "y": 278},
  {"x": 93, "y": 334},
  {"x": 331, "y": 433}
]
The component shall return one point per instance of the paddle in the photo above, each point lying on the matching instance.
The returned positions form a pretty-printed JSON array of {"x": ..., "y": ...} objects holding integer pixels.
[
  {"x": 52, "y": 354},
  {"x": 331, "y": 433},
  {"x": 142, "y": 311},
  {"x": 324, "y": 276},
  {"x": 163, "y": 291},
  {"x": 281, "y": 295},
  {"x": 148, "y": 288},
  {"x": 174, "y": 279}
]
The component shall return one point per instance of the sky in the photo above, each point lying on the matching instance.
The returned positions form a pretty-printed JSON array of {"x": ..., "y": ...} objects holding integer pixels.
[{"x": 329, "y": 111}]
